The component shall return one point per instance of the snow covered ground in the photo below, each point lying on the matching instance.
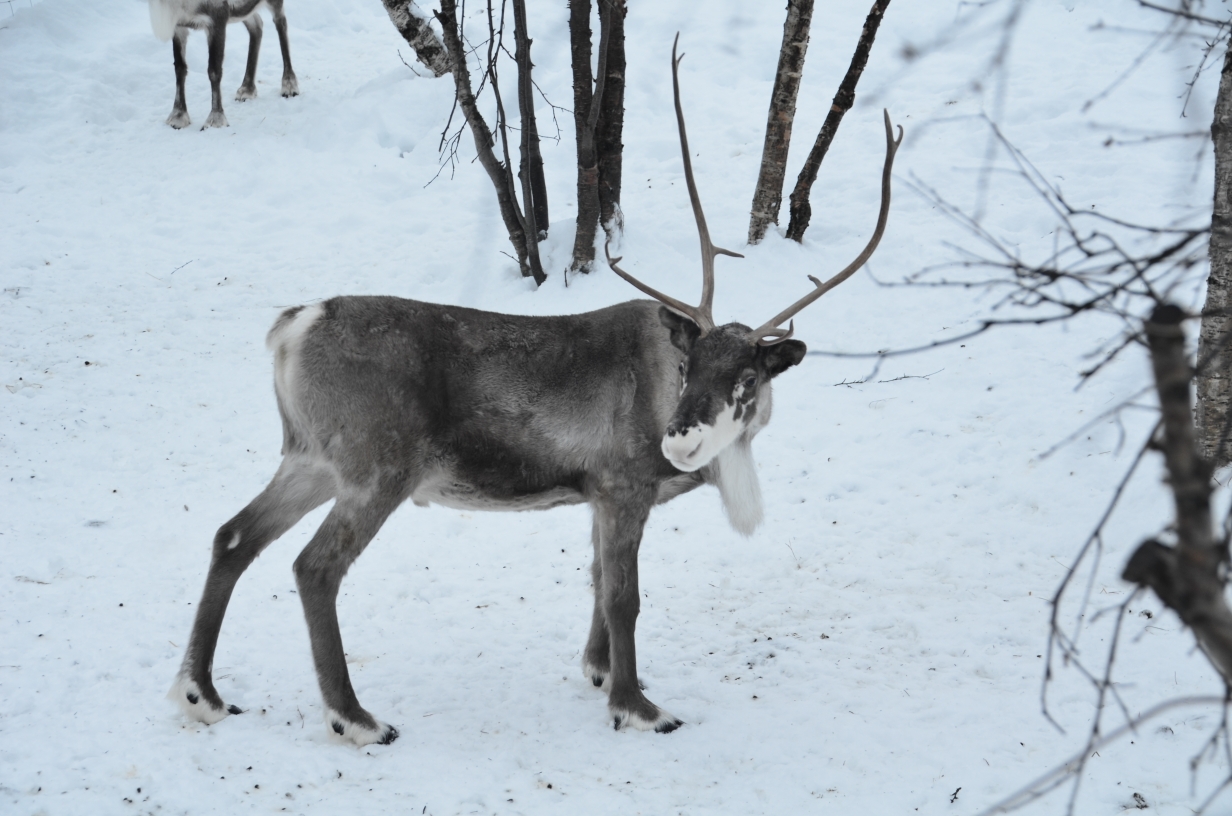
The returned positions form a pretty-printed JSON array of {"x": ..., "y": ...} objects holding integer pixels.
[{"x": 874, "y": 648}]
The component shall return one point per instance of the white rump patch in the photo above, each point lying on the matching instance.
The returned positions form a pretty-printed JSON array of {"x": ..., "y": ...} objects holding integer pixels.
[
  {"x": 285, "y": 340},
  {"x": 287, "y": 334},
  {"x": 201, "y": 711},
  {"x": 165, "y": 15},
  {"x": 736, "y": 477}
]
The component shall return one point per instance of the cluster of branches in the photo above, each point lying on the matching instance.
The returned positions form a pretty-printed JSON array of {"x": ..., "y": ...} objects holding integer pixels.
[
  {"x": 1135, "y": 273},
  {"x": 525, "y": 221},
  {"x": 598, "y": 117}
]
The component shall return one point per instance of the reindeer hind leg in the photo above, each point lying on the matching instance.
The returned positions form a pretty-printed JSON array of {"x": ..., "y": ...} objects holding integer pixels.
[
  {"x": 296, "y": 488},
  {"x": 319, "y": 570},
  {"x": 248, "y": 88}
]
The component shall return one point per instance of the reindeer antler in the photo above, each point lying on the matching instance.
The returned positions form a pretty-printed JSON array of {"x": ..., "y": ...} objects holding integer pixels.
[
  {"x": 702, "y": 314},
  {"x": 769, "y": 333}
]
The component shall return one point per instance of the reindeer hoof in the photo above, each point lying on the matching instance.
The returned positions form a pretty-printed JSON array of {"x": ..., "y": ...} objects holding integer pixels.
[
  {"x": 245, "y": 93},
  {"x": 197, "y": 704},
  {"x": 596, "y": 675},
  {"x": 644, "y": 718},
  {"x": 179, "y": 119},
  {"x": 377, "y": 733},
  {"x": 216, "y": 119},
  {"x": 290, "y": 86}
]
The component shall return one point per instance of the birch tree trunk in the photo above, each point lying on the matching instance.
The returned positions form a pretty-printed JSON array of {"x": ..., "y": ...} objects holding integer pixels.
[
  {"x": 413, "y": 26},
  {"x": 530, "y": 169},
  {"x": 611, "y": 115},
  {"x": 585, "y": 121},
  {"x": 1185, "y": 577},
  {"x": 801, "y": 210},
  {"x": 1215, "y": 361},
  {"x": 768, "y": 195}
]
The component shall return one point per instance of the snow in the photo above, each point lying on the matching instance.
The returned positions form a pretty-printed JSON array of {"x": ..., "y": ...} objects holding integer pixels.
[{"x": 873, "y": 648}]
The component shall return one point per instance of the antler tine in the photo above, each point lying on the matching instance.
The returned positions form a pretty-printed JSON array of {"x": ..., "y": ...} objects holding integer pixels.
[
  {"x": 690, "y": 312},
  {"x": 768, "y": 330},
  {"x": 709, "y": 250}
]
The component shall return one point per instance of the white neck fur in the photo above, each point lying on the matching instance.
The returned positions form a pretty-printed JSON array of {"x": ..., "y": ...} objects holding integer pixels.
[{"x": 735, "y": 474}]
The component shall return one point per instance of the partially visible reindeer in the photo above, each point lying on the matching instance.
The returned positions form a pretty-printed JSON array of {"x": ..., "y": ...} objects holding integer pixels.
[
  {"x": 172, "y": 19},
  {"x": 384, "y": 400}
]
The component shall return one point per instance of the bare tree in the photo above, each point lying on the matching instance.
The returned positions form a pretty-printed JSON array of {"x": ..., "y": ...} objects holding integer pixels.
[
  {"x": 1215, "y": 381},
  {"x": 530, "y": 170},
  {"x": 413, "y": 25},
  {"x": 1101, "y": 264},
  {"x": 768, "y": 195},
  {"x": 585, "y": 120},
  {"x": 611, "y": 122},
  {"x": 592, "y": 97},
  {"x": 801, "y": 210},
  {"x": 521, "y": 234},
  {"x": 1185, "y": 577}
]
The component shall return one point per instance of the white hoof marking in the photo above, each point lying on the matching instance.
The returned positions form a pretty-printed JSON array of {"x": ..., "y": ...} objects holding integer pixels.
[
  {"x": 184, "y": 692},
  {"x": 357, "y": 734},
  {"x": 664, "y": 723}
]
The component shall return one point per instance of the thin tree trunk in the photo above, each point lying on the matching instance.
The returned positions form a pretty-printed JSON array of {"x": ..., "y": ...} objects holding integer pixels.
[
  {"x": 768, "y": 195},
  {"x": 413, "y": 26},
  {"x": 587, "y": 163},
  {"x": 586, "y": 107},
  {"x": 529, "y": 235},
  {"x": 611, "y": 115},
  {"x": 1185, "y": 577},
  {"x": 530, "y": 169},
  {"x": 1215, "y": 374},
  {"x": 501, "y": 176},
  {"x": 801, "y": 211}
]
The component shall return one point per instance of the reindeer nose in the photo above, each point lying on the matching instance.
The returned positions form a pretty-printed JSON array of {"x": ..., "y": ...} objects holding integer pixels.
[{"x": 680, "y": 446}]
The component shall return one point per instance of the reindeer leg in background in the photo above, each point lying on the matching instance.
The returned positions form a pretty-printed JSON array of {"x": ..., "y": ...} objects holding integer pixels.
[
  {"x": 248, "y": 88},
  {"x": 290, "y": 85},
  {"x": 179, "y": 109},
  {"x": 216, "y": 36},
  {"x": 597, "y": 658}
]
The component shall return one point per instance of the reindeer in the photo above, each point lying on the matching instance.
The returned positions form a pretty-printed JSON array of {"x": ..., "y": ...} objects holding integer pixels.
[
  {"x": 384, "y": 399},
  {"x": 172, "y": 19}
]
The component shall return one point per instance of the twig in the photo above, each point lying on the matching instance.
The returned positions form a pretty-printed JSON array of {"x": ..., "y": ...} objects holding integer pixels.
[{"x": 1057, "y": 776}]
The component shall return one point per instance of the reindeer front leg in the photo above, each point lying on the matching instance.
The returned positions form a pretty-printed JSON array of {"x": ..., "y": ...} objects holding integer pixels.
[
  {"x": 620, "y": 518},
  {"x": 179, "y": 109}
]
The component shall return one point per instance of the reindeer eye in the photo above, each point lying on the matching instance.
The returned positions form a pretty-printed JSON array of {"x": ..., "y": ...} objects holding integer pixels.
[
  {"x": 682, "y": 369},
  {"x": 750, "y": 383}
]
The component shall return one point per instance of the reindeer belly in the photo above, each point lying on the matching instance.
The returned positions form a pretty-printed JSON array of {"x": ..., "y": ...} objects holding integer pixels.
[{"x": 452, "y": 489}]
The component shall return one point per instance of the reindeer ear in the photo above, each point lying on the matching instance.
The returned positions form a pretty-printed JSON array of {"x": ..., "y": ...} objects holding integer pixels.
[
  {"x": 684, "y": 331},
  {"x": 782, "y": 356}
]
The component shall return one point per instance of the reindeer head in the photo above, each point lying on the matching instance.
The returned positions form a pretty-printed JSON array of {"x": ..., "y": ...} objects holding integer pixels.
[{"x": 725, "y": 393}]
